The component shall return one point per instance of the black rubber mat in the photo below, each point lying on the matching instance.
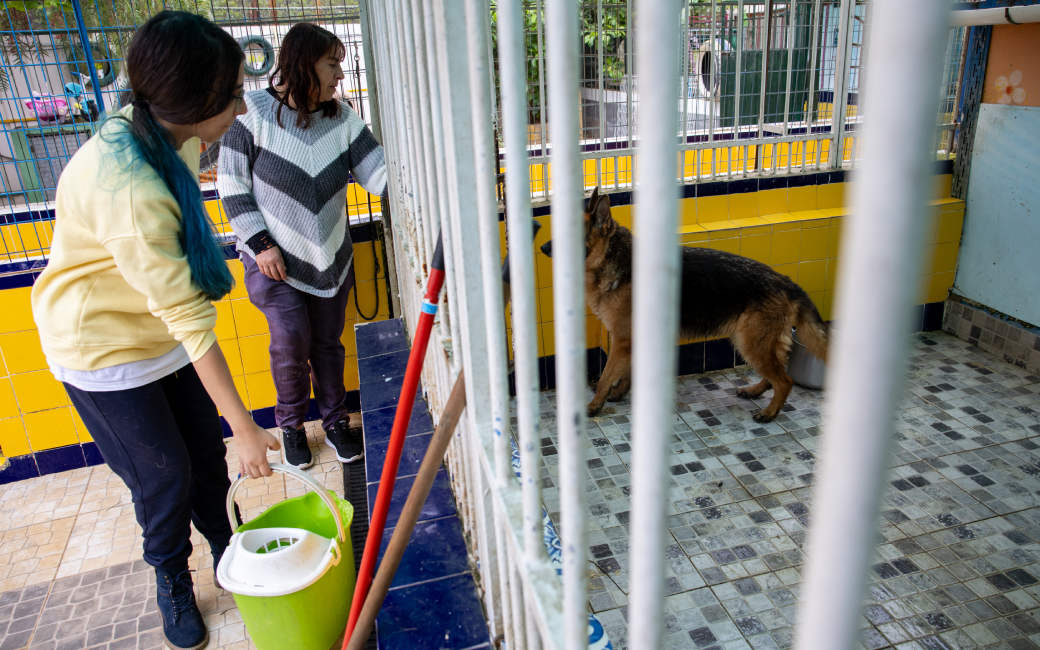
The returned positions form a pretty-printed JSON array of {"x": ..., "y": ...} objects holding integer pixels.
[{"x": 356, "y": 492}]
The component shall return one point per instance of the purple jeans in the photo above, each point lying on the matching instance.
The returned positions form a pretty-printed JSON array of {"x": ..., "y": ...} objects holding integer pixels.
[{"x": 304, "y": 328}]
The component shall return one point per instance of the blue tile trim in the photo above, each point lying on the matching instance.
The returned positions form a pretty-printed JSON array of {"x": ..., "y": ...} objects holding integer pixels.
[
  {"x": 411, "y": 455},
  {"x": 443, "y": 614},
  {"x": 377, "y": 396},
  {"x": 379, "y": 422},
  {"x": 438, "y": 504},
  {"x": 433, "y": 601},
  {"x": 23, "y": 274},
  {"x": 93, "y": 455},
  {"x": 17, "y": 281},
  {"x": 19, "y": 469},
  {"x": 993, "y": 4},
  {"x": 376, "y": 341},
  {"x": 27, "y": 216},
  {"x": 437, "y": 549},
  {"x": 62, "y": 459},
  {"x": 265, "y": 416},
  {"x": 384, "y": 369}
]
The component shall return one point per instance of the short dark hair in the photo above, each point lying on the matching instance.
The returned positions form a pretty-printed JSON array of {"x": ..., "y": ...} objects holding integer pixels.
[{"x": 302, "y": 47}]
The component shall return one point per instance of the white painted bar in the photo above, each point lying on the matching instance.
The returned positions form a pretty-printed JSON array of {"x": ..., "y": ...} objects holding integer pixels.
[
  {"x": 842, "y": 63},
  {"x": 472, "y": 346},
  {"x": 712, "y": 79},
  {"x": 437, "y": 124},
  {"x": 395, "y": 135},
  {"x": 816, "y": 22},
  {"x": 655, "y": 311},
  {"x": 491, "y": 264},
  {"x": 432, "y": 163},
  {"x": 764, "y": 87},
  {"x": 568, "y": 241},
  {"x": 414, "y": 110},
  {"x": 511, "y": 65},
  {"x": 877, "y": 287},
  {"x": 408, "y": 139},
  {"x": 736, "y": 91}
]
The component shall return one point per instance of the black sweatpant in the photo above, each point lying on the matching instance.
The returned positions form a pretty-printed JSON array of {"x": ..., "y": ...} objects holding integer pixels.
[{"x": 166, "y": 443}]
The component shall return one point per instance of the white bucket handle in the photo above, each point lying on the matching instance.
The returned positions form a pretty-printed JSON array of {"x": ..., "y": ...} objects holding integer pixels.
[{"x": 302, "y": 476}]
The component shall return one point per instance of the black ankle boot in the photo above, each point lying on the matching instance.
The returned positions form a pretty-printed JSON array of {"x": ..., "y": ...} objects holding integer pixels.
[
  {"x": 183, "y": 626},
  {"x": 218, "y": 552}
]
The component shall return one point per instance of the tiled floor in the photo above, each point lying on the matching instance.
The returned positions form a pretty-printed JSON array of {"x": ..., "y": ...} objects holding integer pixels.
[
  {"x": 71, "y": 574},
  {"x": 958, "y": 559}
]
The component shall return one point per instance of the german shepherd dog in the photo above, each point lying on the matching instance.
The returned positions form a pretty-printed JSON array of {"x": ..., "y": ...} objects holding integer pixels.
[{"x": 722, "y": 295}]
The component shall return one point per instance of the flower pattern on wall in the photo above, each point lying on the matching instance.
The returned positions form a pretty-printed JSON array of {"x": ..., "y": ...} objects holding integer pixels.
[{"x": 1009, "y": 88}]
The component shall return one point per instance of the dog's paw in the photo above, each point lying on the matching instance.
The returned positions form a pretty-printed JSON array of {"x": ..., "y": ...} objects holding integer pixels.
[
  {"x": 744, "y": 394},
  {"x": 594, "y": 410},
  {"x": 762, "y": 417}
]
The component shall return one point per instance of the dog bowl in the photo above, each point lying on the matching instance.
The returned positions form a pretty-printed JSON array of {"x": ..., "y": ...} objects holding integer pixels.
[{"x": 805, "y": 368}]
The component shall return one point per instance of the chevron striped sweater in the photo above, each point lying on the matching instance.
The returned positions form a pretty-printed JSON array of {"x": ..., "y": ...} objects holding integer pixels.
[{"x": 289, "y": 185}]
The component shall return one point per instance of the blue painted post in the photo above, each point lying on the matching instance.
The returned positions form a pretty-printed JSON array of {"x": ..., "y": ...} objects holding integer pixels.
[{"x": 88, "y": 52}]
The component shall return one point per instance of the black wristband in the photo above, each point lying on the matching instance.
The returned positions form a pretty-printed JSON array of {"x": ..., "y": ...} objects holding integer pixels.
[{"x": 260, "y": 242}]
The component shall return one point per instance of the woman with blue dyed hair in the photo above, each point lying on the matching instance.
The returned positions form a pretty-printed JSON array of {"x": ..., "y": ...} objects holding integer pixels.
[{"x": 124, "y": 307}]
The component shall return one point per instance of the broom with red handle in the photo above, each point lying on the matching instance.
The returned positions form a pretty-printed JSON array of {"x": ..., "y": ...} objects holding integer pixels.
[
  {"x": 397, "y": 435},
  {"x": 359, "y": 608}
]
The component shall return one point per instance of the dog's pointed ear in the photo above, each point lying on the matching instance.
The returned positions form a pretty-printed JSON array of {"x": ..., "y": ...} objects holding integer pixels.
[
  {"x": 593, "y": 199},
  {"x": 601, "y": 211}
]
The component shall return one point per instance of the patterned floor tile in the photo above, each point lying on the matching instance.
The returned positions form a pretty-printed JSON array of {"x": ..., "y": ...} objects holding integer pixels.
[{"x": 957, "y": 565}]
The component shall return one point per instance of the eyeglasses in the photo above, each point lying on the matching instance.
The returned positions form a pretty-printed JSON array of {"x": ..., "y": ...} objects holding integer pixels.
[{"x": 237, "y": 98}]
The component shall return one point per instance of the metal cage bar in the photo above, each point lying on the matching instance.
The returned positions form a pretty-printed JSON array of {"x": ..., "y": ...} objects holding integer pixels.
[{"x": 868, "y": 352}]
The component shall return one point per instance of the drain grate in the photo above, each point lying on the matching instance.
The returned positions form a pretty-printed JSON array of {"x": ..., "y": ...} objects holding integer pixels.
[{"x": 355, "y": 490}]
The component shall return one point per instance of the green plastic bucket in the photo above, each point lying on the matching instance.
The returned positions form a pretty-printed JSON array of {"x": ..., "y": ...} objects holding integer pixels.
[{"x": 291, "y": 570}]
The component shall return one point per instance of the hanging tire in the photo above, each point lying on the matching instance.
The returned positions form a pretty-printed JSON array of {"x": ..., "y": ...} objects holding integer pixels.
[
  {"x": 107, "y": 70},
  {"x": 268, "y": 60}
]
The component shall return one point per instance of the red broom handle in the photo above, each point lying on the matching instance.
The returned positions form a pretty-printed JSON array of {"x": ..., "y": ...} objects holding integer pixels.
[{"x": 397, "y": 436}]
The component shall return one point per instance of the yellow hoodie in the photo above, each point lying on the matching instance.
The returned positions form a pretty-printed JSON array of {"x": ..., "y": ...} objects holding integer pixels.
[{"x": 117, "y": 287}]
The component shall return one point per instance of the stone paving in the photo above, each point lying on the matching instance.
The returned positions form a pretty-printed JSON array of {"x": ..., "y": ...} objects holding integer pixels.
[{"x": 71, "y": 573}]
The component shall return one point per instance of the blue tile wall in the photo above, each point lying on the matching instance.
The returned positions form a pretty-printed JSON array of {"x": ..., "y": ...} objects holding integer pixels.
[
  {"x": 441, "y": 614},
  {"x": 433, "y": 601},
  {"x": 439, "y": 504},
  {"x": 411, "y": 456},
  {"x": 436, "y": 549}
]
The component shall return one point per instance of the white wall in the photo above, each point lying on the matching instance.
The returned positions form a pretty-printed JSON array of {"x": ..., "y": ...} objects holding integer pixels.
[{"x": 1001, "y": 242}]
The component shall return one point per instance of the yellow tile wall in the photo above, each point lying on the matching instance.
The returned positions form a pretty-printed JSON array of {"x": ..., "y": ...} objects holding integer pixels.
[
  {"x": 36, "y": 414},
  {"x": 797, "y": 231}
]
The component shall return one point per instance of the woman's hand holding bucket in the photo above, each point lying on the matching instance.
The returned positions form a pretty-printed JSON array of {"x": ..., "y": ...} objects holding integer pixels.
[
  {"x": 252, "y": 446},
  {"x": 251, "y": 441}
]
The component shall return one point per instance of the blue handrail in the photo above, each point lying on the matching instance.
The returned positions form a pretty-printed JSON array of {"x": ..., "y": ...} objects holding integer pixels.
[{"x": 88, "y": 52}]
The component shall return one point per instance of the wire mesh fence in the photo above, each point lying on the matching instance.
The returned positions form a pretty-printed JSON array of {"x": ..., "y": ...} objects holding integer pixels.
[
  {"x": 766, "y": 87},
  {"x": 53, "y": 96}
]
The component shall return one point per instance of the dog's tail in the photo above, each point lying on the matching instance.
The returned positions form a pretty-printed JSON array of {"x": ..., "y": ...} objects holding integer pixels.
[{"x": 813, "y": 332}]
